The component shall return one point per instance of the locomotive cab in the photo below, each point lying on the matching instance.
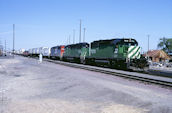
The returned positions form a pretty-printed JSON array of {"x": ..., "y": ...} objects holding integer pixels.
[{"x": 123, "y": 48}]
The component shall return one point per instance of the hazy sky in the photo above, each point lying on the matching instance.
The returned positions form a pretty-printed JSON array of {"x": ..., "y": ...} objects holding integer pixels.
[{"x": 50, "y": 22}]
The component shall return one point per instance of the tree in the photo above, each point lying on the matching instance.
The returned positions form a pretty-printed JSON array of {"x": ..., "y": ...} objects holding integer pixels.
[{"x": 165, "y": 44}]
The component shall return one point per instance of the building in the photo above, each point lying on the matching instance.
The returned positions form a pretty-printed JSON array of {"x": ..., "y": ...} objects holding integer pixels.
[{"x": 157, "y": 55}]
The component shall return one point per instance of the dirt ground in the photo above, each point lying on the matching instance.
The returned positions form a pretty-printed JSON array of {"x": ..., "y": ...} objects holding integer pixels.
[{"x": 27, "y": 86}]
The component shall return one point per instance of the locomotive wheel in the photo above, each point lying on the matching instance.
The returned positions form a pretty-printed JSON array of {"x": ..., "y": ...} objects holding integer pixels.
[
  {"x": 110, "y": 64},
  {"x": 114, "y": 64}
]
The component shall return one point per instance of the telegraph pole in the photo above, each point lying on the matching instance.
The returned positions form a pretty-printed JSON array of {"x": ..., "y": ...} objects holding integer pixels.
[
  {"x": 84, "y": 35},
  {"x": 73, "y": 36},
  {"x": 80, "y": 33},
  {"x": 13, "y": 38}
]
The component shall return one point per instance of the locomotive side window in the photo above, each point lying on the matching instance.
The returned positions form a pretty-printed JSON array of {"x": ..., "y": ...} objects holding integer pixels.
[
  {"x": 130, "y": 44},
  {"x": 95, "y": 45},
  {"x": 85, "y": 45},
  {"x": 117, "y": 41},
  {"x": 104, "y": 45},
  {"x": 66, "y": 47}
]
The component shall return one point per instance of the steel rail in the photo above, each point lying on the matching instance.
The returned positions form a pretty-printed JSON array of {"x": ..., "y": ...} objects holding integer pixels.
[{"x": 139, "y": 78}]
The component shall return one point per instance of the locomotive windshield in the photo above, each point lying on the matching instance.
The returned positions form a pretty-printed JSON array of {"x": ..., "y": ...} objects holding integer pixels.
[
  {"x": 126, "y": 42},
  {"x": 130, "y": 42}
]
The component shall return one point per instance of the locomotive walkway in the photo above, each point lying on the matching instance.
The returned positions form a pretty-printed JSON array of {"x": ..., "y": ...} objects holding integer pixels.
[{"x": 27, "y": 86}]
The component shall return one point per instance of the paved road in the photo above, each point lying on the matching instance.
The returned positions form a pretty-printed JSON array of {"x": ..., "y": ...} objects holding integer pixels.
[{"x": 27, "y": 86}]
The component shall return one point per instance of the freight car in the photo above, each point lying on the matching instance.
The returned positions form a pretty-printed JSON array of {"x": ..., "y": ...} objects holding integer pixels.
[
  {"x": 1, "y": 53},
  {"x": 45, "y": 51},
  {"x": 25, "y": 53},
  {"x": 1, "y": 50}
]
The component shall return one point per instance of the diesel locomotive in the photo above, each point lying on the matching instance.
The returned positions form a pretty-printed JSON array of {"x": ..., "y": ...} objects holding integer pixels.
[
  {"x": 117, "y": 53},
  {"x": 57, "y": 52}
]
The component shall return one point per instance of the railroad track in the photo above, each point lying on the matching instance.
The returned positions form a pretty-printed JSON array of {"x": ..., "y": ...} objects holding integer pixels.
[{"x": 106, "y": 71}]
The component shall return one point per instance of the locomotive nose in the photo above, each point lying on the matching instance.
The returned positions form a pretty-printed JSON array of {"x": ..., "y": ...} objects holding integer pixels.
[{"x": 134, "y": 52}]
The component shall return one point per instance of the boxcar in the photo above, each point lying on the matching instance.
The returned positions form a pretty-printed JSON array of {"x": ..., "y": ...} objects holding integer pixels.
[{"x": 46, "y": 51}]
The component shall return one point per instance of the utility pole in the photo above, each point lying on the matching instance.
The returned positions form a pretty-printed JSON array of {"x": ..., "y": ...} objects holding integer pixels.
[
  {"x": 73, "y": 36},
  {"x": 5, "y": 48},
  {"x": 80, "y": 33},
  {"x": 148, "y": 42},
  {"x": 84, "y": 35},
  {"x": 69, "y": 39},
  {"x": 148, "y": 47},
  {"x": 13, "y": 38},
  {"x": 163, "y": 43}
]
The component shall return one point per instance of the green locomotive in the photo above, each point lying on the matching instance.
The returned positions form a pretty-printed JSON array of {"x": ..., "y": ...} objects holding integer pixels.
[
  {"x": 118, "y": 53},
  {"x": 74, "y": 52},
  {"x": 115, "y": 52}
]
